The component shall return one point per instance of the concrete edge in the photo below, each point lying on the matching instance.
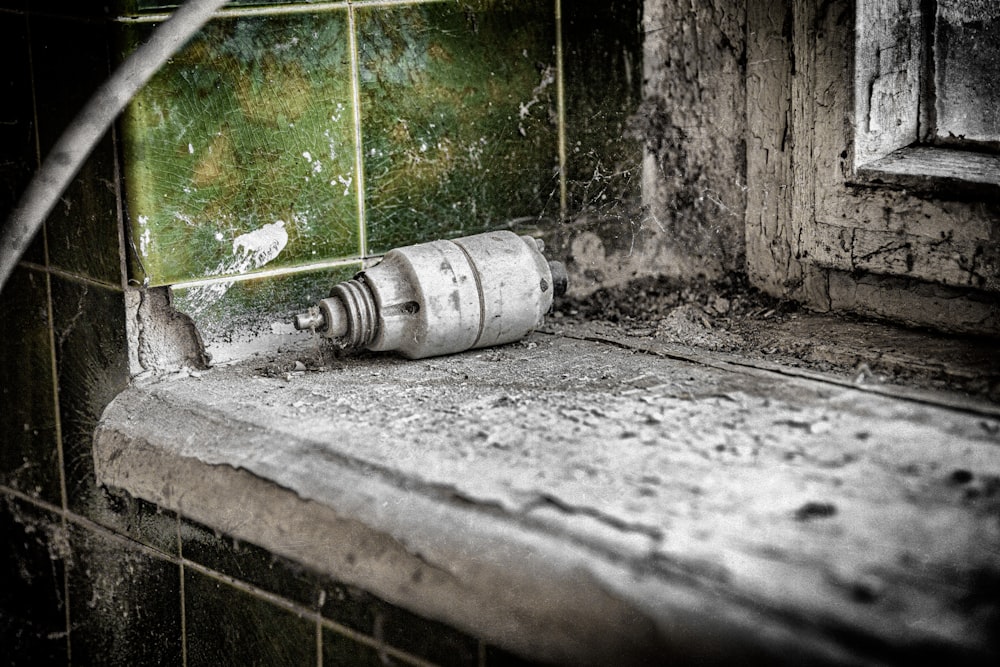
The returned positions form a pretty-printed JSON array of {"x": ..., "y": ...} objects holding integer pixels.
[{"x": 488, "y": 575}]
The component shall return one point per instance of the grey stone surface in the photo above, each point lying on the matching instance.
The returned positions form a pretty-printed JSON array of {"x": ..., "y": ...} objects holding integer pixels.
[{"x": 585, "y": 500}]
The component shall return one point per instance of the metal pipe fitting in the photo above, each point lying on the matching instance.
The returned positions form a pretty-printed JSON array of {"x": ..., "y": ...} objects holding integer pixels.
[{"x": 443, "y": 297}]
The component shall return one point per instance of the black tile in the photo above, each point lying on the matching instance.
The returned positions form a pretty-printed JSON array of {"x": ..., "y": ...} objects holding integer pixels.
[
  {"x": 29, "y": 457},
  {"x": 396, "y": 627},
  {"x": 342, "y": 651},
  {"x": 17, "y": 121},
  {"x": 32, "y": 568},
  {"x": 70, "y": 62},
  {"x": 498, "y": 657},
  {"x": 250, "y": 564},
  {"x": 17, "y": 131},
  {"x": 82, "y": 9},
  {"x": 125, "y": 602},
  {"x": 92, "y": 368},
  {"x": 83, "y": 229},
  {"x": 424, "y": 638},
  {"x": 229, "y": 626},
  {"x": 350, "y": 606},
  {"x": 141, "y": 521}
]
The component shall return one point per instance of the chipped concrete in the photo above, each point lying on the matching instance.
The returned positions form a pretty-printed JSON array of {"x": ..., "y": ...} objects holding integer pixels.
[{"x": 577, "y": 499}]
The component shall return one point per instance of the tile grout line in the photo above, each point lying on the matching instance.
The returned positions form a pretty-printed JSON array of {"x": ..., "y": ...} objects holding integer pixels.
[
  {"x": 297, "y": 608},
  {"x": 121, "y": 227},
  {"x": 271, "y": 273},
  {"x": 274, "y": 10},
  {"x": 78, "y": 278},
  {"x": 359, "y": 162},
  {"x": 319, "y": 640},
  {"x": 246, "y": 587}
]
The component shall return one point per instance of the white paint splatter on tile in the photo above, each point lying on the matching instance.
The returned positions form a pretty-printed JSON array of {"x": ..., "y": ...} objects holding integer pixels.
[
  {"x": 145, "y": 238},
  {"x": 251, "y": 251},
  {"x": 548, "y": 78}
]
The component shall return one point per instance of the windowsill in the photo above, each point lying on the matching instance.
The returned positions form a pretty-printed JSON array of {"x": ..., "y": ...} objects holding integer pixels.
[
  {"x": 935, "y": 169},
  {"x": 588, "y": 502}
]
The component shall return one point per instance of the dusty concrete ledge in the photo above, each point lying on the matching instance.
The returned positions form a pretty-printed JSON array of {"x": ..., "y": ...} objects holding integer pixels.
[{"x": 582, "y": 502}]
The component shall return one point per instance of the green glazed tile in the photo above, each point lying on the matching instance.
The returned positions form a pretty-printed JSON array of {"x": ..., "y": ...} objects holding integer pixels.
[
  {"x": 92, "y": 368},
  {"x": 602, "y": 52},
  {"x": 458, "y": 104},
  {"x": 228, "y": 626},
  {"x": 29, "y": 458},
  {"x": 125, "y": 602},
  {"x": 32, "y": 569},
  {"x": 240, "y": 154}
]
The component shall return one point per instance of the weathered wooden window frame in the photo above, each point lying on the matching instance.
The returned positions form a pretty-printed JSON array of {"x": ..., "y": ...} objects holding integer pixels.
[
  {"x": 893, "y": 104},
  {"x": 819, "y": 232}
]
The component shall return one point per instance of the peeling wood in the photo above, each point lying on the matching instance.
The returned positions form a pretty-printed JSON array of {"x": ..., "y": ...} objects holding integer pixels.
[
  {"x": 694, "y": 121},
  {"x": 952, "y": 262},
  {"x": 888, "y": 55},
  {"x": 811, "y": 221},
  {"x": 769, "y": 242},
  {"x": 935, "y": 169},
  {"x": 909, "y": 301}
]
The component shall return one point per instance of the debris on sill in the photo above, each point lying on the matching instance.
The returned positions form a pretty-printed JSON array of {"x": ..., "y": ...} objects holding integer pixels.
[
  {"x": 554, "y": 490},
  {"x": 731, "y": 317}
]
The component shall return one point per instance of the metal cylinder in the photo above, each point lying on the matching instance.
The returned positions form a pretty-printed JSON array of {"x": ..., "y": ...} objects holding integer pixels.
[{"x": 443, "y": 297}]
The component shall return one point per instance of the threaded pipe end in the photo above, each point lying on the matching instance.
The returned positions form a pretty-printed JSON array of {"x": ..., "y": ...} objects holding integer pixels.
[{"x": 362, "y": 314}]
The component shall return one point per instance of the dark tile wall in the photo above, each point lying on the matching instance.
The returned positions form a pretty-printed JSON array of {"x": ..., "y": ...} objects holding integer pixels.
[
  {"x": 308, "y": 140},
  {"x": 34, "y": 570}
]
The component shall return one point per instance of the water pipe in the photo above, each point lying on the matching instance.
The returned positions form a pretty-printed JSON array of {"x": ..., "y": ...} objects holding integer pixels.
[{"x": 78, "y": 140}]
